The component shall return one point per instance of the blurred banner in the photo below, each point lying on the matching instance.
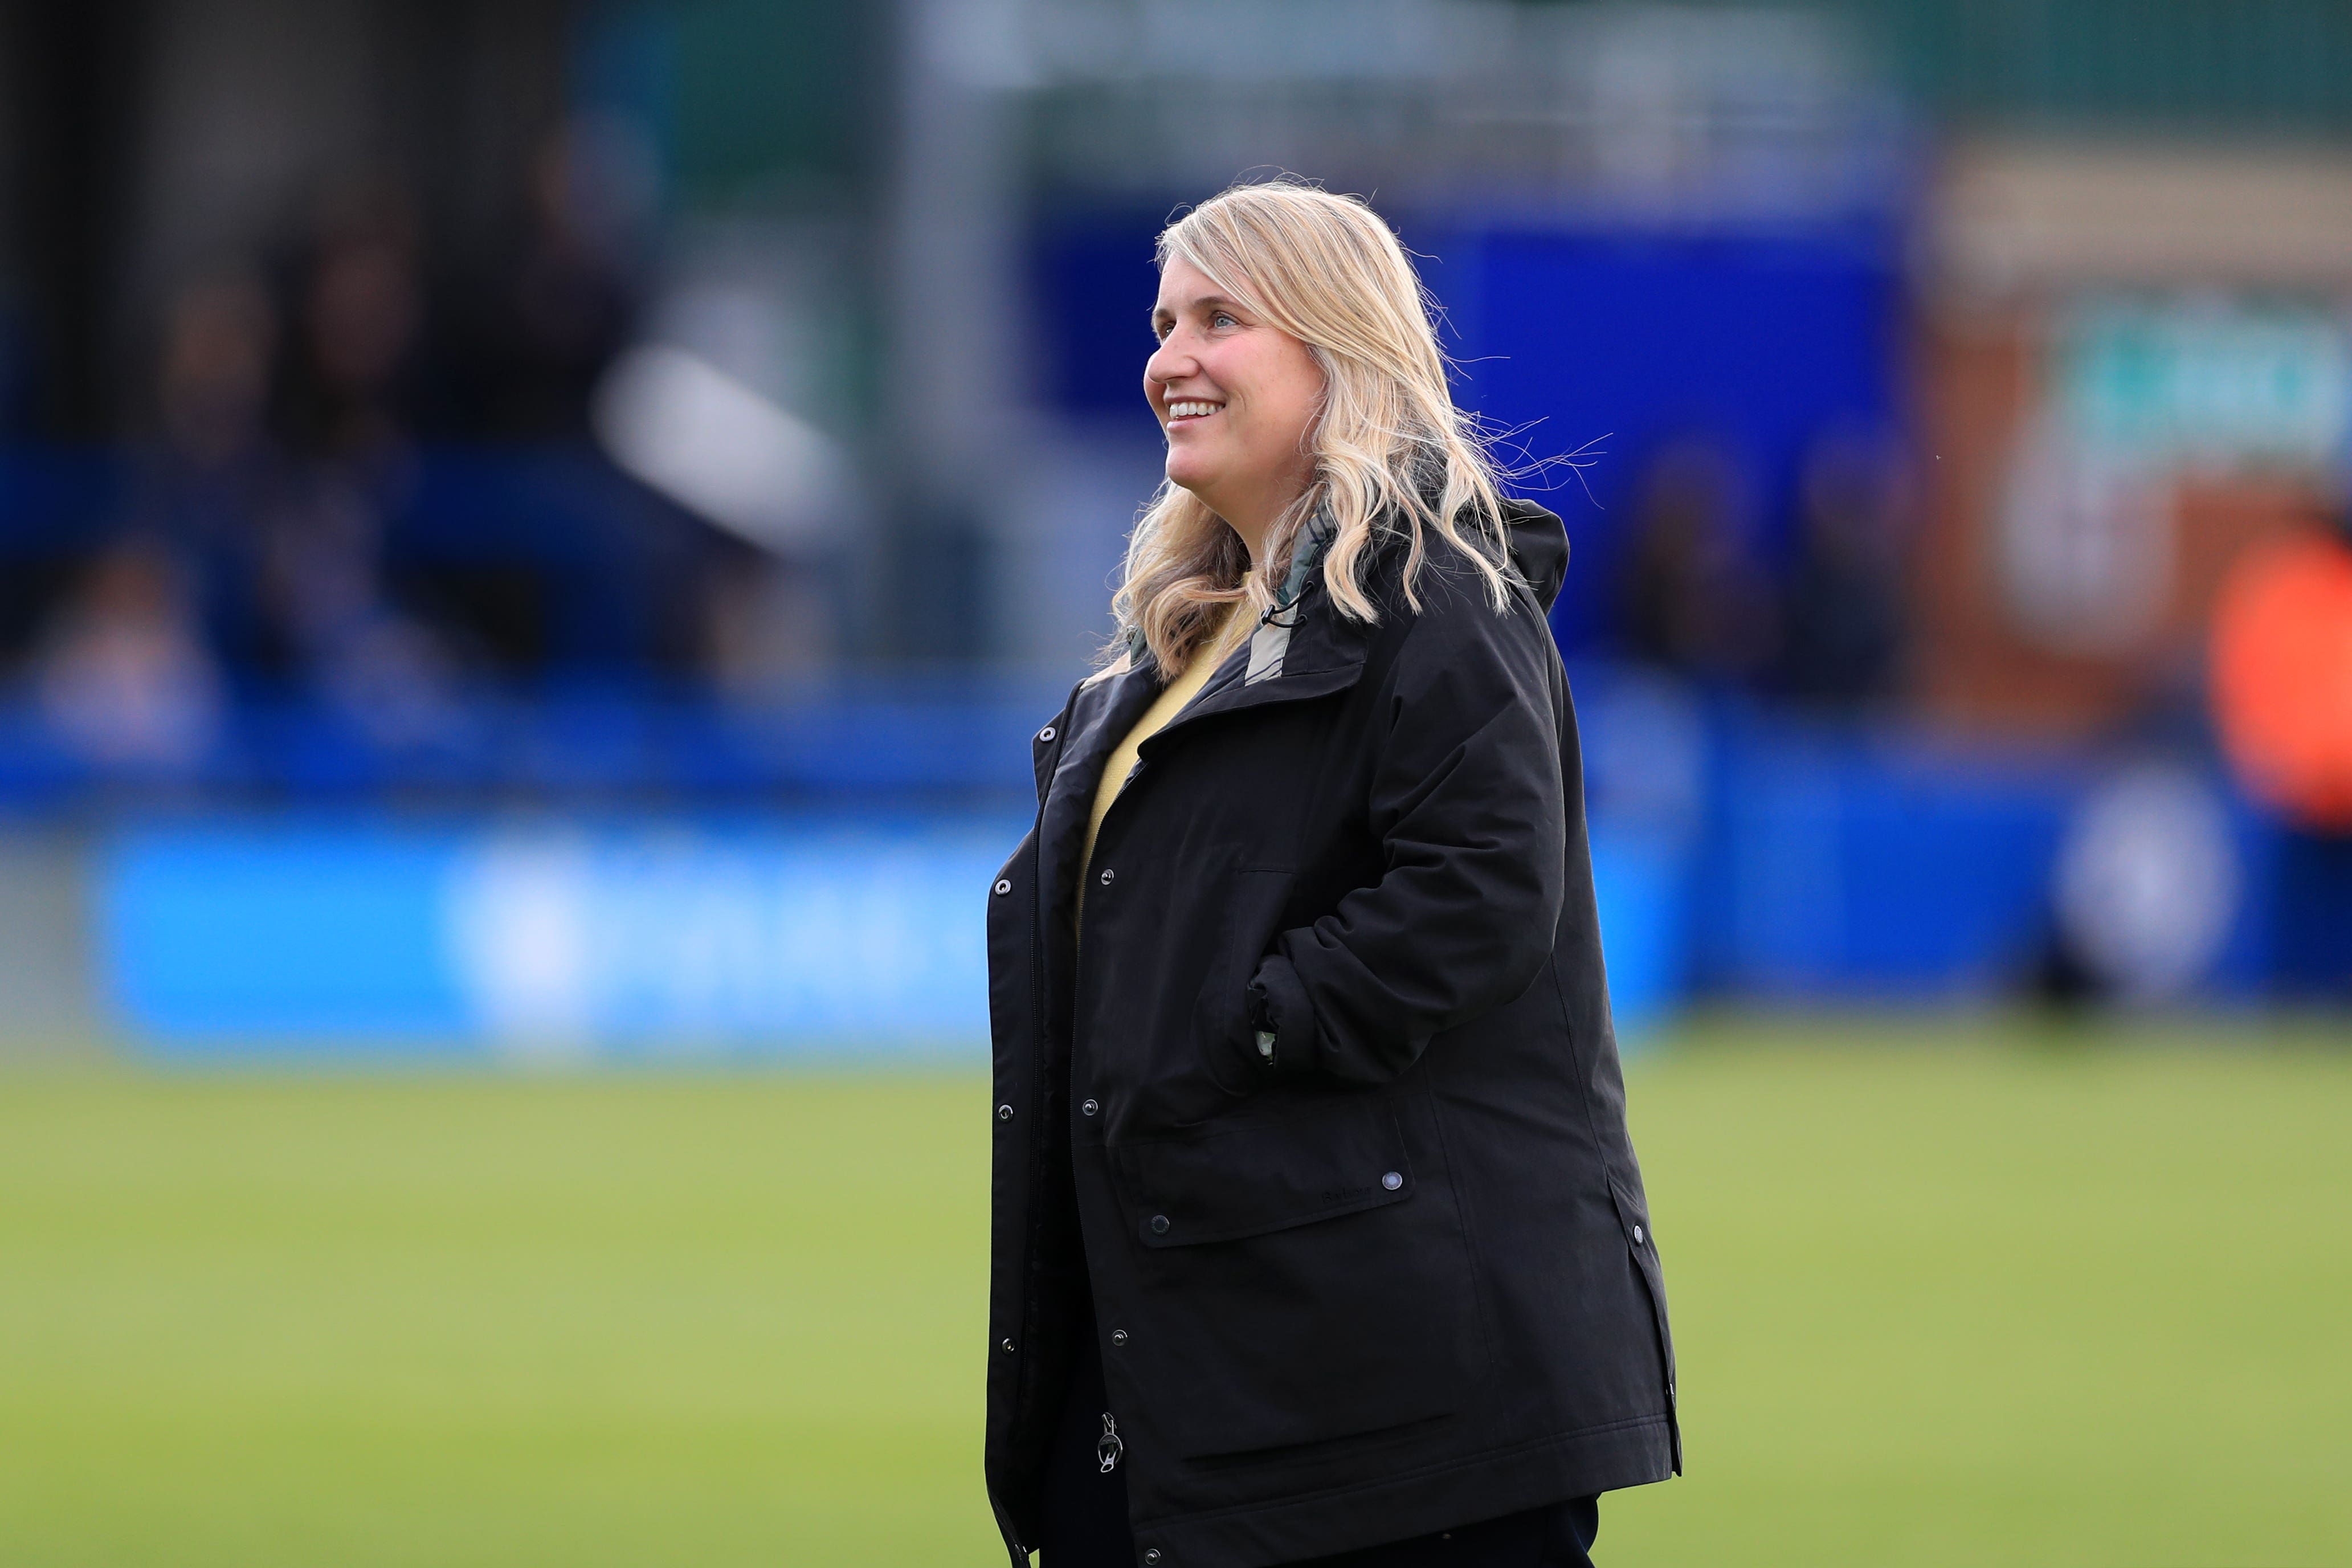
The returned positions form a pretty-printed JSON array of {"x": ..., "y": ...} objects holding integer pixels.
[
  {"x": 634, "y": 938},
  {"x": 848, "y": 938}
]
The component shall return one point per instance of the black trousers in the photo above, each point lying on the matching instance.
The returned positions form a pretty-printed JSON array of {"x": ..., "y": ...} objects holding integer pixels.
[{"x": 1086, "y": 1509}]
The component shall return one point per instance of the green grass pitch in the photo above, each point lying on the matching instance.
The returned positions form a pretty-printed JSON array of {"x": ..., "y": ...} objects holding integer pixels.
[{"x": 1943, "y": 1295}]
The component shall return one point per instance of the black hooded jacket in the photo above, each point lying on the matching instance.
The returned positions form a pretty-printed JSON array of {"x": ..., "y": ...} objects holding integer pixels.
[{"x": 1403, "y": 1278}]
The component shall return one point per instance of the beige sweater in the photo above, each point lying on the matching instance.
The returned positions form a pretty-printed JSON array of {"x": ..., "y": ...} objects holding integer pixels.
[{"x": 1165, "y": 707}]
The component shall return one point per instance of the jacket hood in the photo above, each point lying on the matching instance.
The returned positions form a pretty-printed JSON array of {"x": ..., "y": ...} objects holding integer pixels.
[{"x": 1539, "y": 542}]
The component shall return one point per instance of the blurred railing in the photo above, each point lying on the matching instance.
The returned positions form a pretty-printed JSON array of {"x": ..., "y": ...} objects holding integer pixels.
[{"x": 950, "y": 738}]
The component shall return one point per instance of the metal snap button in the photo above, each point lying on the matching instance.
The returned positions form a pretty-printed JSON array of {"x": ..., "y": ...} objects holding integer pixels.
[
  {"x": 1090, "y": 1106},
  {"x": 1046, "y": 733},
  {"x": 1005, "y": 1113},
  {"x": 1108, "y": 874},
  {"x": 1637, "y": 1235},
  {"x": 1119, "y": 1336},
  {"x": 1004, "y": 886},
  {"x": 1393, "y": 1181},
  {"x": 1008, "y": 1347},
  {"x": 1151, "y": 1556},
  {"x": 1160, "y": 1225}
]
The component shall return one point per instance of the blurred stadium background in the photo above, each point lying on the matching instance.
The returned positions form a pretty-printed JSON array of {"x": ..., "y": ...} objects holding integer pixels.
[{"x": 533, "y": 535}]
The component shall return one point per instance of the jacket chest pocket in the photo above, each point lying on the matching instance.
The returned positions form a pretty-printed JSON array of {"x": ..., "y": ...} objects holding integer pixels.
[{"x": 1301, "y": 1282}]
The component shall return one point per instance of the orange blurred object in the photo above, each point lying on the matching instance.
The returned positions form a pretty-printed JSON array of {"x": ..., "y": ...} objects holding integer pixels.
[{"x": 2281, "y": 676}]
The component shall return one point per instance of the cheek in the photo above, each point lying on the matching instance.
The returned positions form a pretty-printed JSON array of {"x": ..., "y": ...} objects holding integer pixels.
[{"x": 1302, "y": 395}]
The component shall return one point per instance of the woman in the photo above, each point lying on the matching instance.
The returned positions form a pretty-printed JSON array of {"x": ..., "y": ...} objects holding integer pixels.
[{"x": 1318, "y": 1237}]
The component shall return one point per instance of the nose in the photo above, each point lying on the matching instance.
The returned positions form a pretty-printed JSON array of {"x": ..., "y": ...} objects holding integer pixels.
[{"x": 1168, "y": 364}]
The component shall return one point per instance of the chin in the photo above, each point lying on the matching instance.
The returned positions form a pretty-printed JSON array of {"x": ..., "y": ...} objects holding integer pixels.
[{"x": 1190, "y": 469}]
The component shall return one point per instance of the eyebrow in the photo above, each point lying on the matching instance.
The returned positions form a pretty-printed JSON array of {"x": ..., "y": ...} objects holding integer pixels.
[{"x": 1204, "y": 302}]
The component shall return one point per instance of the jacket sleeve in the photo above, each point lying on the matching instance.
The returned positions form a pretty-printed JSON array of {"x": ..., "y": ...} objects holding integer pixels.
[{"x": 1466, "y": 797}]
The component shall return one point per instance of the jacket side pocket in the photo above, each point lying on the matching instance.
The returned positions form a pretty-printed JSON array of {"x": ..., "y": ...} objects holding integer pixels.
[
  {"x": 1252, "y": 916},
  {"x": 1301, "y": 1282}
]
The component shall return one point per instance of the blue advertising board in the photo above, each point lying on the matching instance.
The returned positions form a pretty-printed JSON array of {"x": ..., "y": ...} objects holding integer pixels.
[{"x": 851, "y": 936}]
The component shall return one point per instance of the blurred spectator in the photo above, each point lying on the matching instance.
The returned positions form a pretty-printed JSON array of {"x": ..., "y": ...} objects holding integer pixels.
[
  {"x": 124, "y": 678},
  {"x": 1842, "y": 613},
  {"x": 566, "y": 308},
  {"x": 213, "y": 385},
  {"x": 1695, "y": 600},
  {"x": 766, "y": 623},
  {"x": 2281, "y": 676},
  {"x": 354, "y": 364},
  {"x": 387, "y": 672},
  {"x": 217, "y": 473},
  {"x": 350, "y": 398}
]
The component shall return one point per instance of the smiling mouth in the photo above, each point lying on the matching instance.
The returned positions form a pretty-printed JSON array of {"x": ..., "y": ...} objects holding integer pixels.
[{"x": 1184, "y": 408}]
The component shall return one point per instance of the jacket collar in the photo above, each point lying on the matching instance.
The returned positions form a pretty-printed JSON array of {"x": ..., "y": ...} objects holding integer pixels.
[{"x": 1302, "y": 649}]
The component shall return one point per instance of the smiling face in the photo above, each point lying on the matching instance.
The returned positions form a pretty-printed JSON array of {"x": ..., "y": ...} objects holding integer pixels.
[{"x": 1236, "y": 396}]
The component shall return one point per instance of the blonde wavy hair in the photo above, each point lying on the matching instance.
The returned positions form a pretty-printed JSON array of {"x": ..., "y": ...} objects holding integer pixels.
[{"x": 1393, "y": 456}]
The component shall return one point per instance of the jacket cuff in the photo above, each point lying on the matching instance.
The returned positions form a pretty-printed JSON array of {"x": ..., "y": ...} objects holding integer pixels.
[{"x": 1279, "y": 1001}]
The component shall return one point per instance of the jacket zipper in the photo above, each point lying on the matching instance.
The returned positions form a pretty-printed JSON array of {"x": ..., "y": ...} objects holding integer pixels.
[{"x": 1108, "y": 1448}]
